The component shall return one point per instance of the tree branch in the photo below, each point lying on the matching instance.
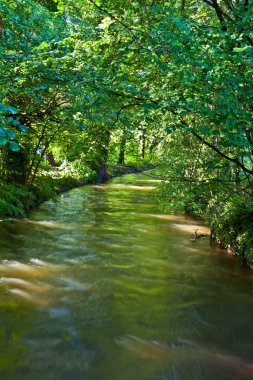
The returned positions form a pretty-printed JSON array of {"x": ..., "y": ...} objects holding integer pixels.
[
  {"x": 214, "y": 4},
  {"x": 121, "y": 109},
  {"x": 113, "y": 17},
  {"x": 234, "y": 160}
]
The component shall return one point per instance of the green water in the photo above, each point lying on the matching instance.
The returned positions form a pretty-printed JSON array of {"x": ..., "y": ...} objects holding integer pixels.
[{"x": 101, "y": 286}]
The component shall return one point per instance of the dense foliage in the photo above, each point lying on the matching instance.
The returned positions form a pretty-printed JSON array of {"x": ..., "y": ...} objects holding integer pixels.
[{"x": 86, "y": 83}]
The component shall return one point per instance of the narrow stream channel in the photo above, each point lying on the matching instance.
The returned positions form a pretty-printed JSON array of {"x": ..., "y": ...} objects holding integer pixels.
[{"x": 102, "y": 286}]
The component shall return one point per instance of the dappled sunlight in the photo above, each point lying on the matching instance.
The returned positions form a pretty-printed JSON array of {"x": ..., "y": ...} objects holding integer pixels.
[
  {"x": 150, "y": 180},
  {"x": 132, "y": 187},
  {"x": 31, "y": 298},
  {"x": 35, "y": 269},
  {"x": 143, "y": 348},
  {"x": 44, "y": 223},
  {"x": 38, "y": 287},
  {"x": 169, "y": 217},
  {"x": 41, "y": 284},
  {"x": 185, "y": 352},
  {"x": 192, "y": 228},
  {"x": 28, "y": 282}
]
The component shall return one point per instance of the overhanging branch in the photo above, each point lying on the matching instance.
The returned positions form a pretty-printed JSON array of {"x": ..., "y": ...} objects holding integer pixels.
[
  {"x": 213, "y": 147},
  {"x": 113, "y": 17}
]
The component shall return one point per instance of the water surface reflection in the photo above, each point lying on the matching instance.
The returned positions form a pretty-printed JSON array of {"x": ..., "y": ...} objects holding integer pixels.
[{"x": 101, "y": 285}]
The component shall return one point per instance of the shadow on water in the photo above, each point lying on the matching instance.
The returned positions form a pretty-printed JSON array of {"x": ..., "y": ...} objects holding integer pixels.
[{"x": 101, "y": 285}]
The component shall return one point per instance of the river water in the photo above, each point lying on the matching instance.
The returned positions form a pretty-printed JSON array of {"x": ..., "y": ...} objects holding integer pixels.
[{"x": 101, "y": 285}]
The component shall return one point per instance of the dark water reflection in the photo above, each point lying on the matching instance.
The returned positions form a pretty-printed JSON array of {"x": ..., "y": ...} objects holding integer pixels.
[{"x": 100, "y": 285}]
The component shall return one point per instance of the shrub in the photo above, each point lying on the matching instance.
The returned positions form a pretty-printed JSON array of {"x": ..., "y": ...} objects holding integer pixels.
[{"x": 15, "y": 200}]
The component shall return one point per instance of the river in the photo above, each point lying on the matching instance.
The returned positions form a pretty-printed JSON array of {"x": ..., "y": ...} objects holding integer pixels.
[{"x": 101, "y": 286}]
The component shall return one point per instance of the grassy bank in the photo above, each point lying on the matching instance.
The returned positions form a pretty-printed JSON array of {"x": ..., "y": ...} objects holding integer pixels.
[{"x": 16, "y": 200}]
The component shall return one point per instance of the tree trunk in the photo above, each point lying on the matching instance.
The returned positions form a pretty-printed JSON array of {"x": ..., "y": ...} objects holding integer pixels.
[
  {"x": 143, "y": 143},
  {"x": 1, "y": 27},
  {"x": 104, "y": 148},
  {"x": 50, "y": 159},
  {"x": 103, "y": 172},
  {"x": 121, "y": 159}
]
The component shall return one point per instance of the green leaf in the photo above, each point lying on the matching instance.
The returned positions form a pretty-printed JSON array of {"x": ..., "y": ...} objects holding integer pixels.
[
  {"x": 239, "y": 50},
  {"x": 23, "y": 128},
  {"x": 3, "y": 141},
  {"x": 11, "y": 109},
  {"x": 2, "y": 132},
  {"x": 204, "y": 130},
  {"x": 14, "y": 146},
  {"x": 2, "y": 108},
  {"x": 10, "y": 134}
]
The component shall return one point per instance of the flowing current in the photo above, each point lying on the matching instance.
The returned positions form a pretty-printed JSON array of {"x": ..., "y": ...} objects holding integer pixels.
[{"x": 101, "y": 286}]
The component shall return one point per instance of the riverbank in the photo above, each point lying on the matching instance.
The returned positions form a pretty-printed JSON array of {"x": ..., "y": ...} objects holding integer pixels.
[
  {"x": 231, "y": 226},
  {"x": 16, "y": 200},
  {"x": 228, "y": 215},
  {"x": 233, "y": 231}
]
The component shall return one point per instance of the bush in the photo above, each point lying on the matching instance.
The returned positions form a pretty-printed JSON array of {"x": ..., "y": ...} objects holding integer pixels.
[
  {"x": 81, "y": 171},
  {"x": 232, "y": 224},
  {"x": 229, "y": 215},
  {"x": 15, "y": 200}
]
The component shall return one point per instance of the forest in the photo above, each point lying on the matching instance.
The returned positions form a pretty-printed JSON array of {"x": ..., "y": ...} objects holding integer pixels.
[{"x": 89, "y": 88}]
